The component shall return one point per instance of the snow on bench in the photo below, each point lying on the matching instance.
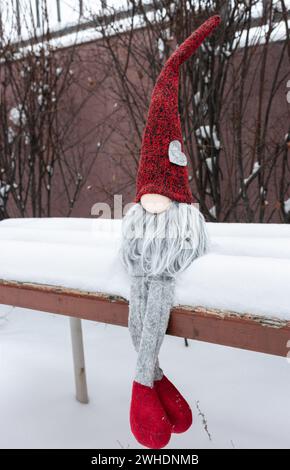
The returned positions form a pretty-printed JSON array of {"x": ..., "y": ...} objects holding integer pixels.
[
  {"x": 235, "y": 295},
  {"x": 247, "y": 269}
]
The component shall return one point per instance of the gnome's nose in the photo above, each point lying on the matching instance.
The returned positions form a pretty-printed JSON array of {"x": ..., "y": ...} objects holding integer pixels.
[{"x": 155, "y": 203}]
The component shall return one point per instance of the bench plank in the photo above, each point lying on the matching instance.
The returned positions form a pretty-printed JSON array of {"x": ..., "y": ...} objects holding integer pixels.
[{"x": 255, "y": 333}]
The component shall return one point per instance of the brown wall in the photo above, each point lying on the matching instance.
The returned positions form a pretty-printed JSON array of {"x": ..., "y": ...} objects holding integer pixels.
[
  {"x": 113, "y": 177},
  {"x": 113, "y": 170}
]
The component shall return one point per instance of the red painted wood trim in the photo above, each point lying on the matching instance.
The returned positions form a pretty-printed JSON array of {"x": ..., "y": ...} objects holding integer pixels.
[{"x": 260, "y": 334}]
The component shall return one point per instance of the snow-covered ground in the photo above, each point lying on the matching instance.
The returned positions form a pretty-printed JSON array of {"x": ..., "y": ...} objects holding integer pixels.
[
  {"x": 241, "y": 397},
  {"x": 244, "y": 396}
]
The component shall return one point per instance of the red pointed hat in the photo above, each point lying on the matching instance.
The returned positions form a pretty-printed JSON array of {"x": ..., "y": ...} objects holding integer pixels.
[{"x": 163, "y": 165}]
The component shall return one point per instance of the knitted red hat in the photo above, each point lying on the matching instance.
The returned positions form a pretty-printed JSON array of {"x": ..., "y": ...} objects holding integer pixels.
[{"x": 162, "y": 167}]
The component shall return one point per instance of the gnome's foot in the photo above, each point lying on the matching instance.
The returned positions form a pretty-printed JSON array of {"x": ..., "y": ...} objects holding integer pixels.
[
  {"x": 175, "y": 406},
  {"x": 149, "y": 423}
]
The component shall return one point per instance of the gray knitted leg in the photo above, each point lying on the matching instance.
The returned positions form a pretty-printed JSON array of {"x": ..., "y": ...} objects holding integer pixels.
[
  {"x": 159, "y": 302},
  {"x": 137, "y": 309}
]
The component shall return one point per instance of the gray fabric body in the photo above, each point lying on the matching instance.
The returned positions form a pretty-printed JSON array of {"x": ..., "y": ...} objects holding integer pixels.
[
  {"x": 155, "y": 248},
  {"x": 151, "y": 299}
]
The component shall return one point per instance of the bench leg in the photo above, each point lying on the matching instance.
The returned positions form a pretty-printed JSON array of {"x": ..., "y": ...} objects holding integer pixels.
[{"x": 79, "y": 360}]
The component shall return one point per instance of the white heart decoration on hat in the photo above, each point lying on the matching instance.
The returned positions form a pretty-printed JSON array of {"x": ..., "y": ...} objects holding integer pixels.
[{"x": 175, "y": 154}]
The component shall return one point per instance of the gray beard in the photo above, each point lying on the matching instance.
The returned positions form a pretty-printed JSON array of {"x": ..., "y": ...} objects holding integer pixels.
[{"x": 162, "y": 244}]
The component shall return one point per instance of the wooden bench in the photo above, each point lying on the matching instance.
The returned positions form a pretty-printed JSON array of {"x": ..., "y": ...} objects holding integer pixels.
[{"x": 255, "y": 333}]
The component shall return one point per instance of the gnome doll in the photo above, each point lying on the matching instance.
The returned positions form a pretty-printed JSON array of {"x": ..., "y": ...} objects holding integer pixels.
[{"x": 161, "y": 235}]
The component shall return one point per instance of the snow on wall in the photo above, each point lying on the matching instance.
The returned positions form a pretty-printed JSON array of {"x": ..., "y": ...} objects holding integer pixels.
[
  {"x": 70, "y": 16},
  {"x": 247, "y": 268}
]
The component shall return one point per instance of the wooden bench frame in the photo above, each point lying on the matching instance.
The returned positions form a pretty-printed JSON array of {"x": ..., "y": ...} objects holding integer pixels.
[{"x": 255, "y": 333}]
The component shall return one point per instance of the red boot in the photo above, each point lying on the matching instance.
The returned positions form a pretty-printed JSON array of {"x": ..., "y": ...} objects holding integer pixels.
[
  {"x": 149, "y": 423},
  {"x": 176, "y": 407}
]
